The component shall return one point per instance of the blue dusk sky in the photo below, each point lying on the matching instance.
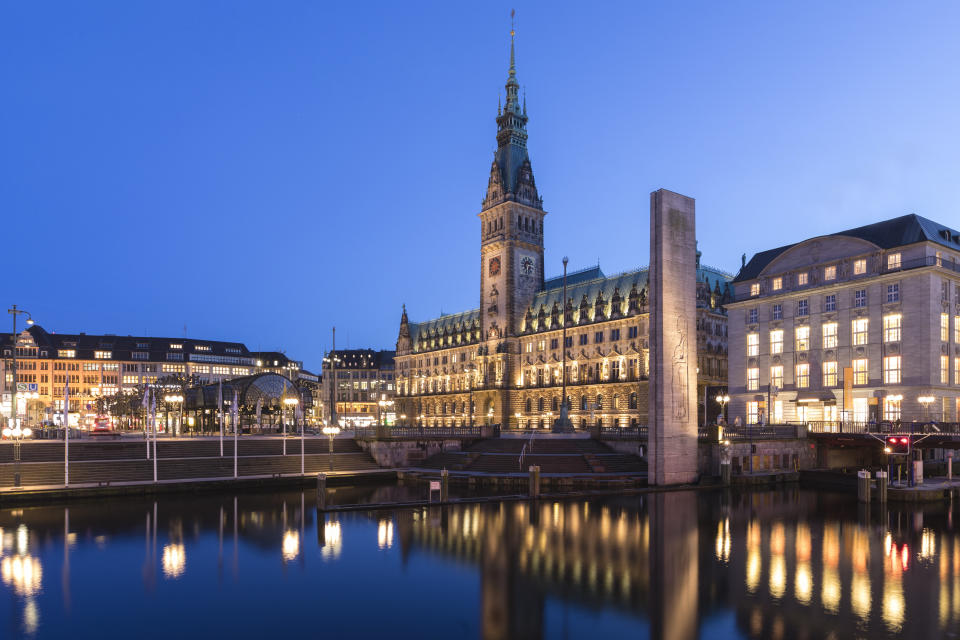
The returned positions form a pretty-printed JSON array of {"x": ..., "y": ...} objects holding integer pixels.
[{"x": 261, "y": 171}]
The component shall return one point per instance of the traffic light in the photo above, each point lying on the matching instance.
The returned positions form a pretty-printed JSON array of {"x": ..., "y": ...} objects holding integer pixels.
[{"x": 898, "y": 445}]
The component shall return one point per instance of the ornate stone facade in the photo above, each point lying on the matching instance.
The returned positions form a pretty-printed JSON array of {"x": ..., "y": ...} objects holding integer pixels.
[{"x": 501, "y": 363}]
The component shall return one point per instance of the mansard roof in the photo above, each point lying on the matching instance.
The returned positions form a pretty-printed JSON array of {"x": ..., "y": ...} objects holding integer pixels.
[
  {"x": 448, "y": 324},
  {"x": 888, "y": 234}
]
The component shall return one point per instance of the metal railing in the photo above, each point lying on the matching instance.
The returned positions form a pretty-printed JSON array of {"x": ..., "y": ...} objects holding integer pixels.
[
  {"x": 475, "y": 431},
  {"x": 883, "y": 427}
]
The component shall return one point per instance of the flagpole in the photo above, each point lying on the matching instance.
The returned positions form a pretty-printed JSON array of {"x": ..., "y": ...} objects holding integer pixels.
[
  {"x": 66, "y": 432},
  {"x": 153, "y": 421},
  {"x": 146, "y": 418},
  {"x": 220, "y": 410},
  {"x": 299, "y": 416},
  {"x": 236, "y": 429}
]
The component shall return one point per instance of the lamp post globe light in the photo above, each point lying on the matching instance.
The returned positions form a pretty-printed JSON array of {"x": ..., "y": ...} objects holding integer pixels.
[
  {"x": 331, "y": 432},
  {"x": 723, "y": 399},
  {"x": 926, "y": 401},
  {"x": 17, "y": 435}
]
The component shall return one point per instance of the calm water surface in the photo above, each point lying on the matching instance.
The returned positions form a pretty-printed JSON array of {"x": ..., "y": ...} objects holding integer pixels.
[{"x": 775, "y": 564}]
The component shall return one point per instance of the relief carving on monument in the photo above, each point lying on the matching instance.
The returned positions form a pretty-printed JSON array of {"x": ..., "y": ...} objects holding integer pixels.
[{"x": 680, "y": 391}]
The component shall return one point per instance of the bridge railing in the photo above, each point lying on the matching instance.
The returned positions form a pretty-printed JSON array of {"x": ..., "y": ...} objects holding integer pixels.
[{"x": 623, "y": 433}]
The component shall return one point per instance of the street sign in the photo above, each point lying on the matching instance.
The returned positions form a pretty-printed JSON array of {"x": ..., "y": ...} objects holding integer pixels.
[
  {"x": 32, "y": 387},
  {"x": 434, "y": 485},
  {"x": 22, "y": 386}
]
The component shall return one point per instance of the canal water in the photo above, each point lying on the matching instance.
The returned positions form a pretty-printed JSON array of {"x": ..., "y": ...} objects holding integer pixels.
[{"x": 776, "y": 564}]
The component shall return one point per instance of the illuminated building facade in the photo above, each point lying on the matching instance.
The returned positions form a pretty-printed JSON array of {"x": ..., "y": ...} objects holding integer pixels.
[
  {"x": 105, "y": 365},
  {"x": 365, "y": 386},
  {"x": 861, "y": 325},
  {"x": 502, "y": 362}
]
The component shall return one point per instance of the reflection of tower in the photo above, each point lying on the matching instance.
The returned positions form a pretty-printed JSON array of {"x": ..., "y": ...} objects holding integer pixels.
[
  {"x": 674, "y": 566},
  {"x": 511, "y": 606}
]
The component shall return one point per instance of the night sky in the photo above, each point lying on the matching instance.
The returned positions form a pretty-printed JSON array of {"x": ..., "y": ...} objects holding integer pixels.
[{"x": 260, "y": 171}]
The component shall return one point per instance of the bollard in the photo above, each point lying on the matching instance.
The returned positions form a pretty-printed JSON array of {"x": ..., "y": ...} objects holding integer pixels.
[
  {"x": 863, "y": 486},
  {"x": 917, "y": 472},
  {"x": 535, "y": 481},
  {"x": 444, "y": 486},
  {"x": 881, "y": 487},
  {"x": 321, "y": 491},
  {"x": 725, "y": 473}
]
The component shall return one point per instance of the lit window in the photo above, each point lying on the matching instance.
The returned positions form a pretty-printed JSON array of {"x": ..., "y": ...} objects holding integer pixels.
[
  {"x": 776, "y": 341},
  {"x": 102, "y": 355},
  {"x": 893, "y": 292},
  {"x": 860, "y": 373},
  {"x": 753, "y": 412},
  {"x": 860, "y": 298},
  {"x": 830, "y": 302},
  {"x": 830, "y": 335},
  {"x": 803, "y": 338},
  {"x": 803, "y": 376},
  {"x": 893, "y": 261},
  {"x": 891, "y": 328},
  {"x": 956, "y": 371},
  {"x": 753, "y": 379},
  {"x": 755, "y": 289},
  {"x": 859, "y": 267},
  {"x": 944, "y": 369},
  {"x": 201, "y": 347},
  {"x": 891, "y": 407},
  {"x": 778, "y": 312},
  {"x": 752, "y": 316},
  {"x": 173, "y": 368},
  {"x": 777, "y": 283},
  {"x": 830, "y": 273},
  {"x": 944, "y": 327},
  {"x": 802, "y": 279},
  {"x": 803, "y": 307},
  {"x": 176, "y": 346},
  {"x": 829, "y": 374},
  {"x": 528, "y": 347},
  {"x": 891, "y": 370},
  {"x": 753, "y": 344},
  {"x": 541, "y": 345},
  {"x": 776, "y": 376},
  {"x": 66, "y": 353},
  {"x": 860, "y": 331},
  {"x": 956, "y": 329}
]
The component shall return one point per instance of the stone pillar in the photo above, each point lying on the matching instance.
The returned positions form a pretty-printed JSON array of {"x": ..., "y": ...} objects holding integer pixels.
[{"x": 673, "y": 340}]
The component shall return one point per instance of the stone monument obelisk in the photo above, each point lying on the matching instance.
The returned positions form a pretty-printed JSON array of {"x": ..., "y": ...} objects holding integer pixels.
[{"x": 672, "y": 417}]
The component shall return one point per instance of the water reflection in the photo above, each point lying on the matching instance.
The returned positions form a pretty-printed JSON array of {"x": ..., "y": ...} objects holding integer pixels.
[{"x": 786, "y": 564}]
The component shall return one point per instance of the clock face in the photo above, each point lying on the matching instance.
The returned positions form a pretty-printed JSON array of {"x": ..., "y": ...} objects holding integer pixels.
[
  {"x": 495, "y": 266},
  {"x": 526, "y": 265}
]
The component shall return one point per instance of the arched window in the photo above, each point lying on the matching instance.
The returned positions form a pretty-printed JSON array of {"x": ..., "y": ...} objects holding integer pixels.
[
  {"x": 599, "y": 401},
  {"x": 616, "y": 402},
  {"x": 553, "y": 404},
  {"x": 529, "y": 405},
  {"x": 540, "y": 404},
  {"x": 583, "y": 403},
  {"x": 633, "y": 400}
]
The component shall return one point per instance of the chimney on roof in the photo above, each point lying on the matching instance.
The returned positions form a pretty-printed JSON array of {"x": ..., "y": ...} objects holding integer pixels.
[{"x": 743, "y": 260}]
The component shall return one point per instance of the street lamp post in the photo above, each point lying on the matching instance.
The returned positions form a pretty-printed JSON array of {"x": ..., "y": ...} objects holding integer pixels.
[
  {"x": 563, "y": 424},
  {"x": 723, "y": 400},
  {"x": 17, "y": 434},
  {"x": 331, "y": 432},
  {"x": 292, "y": 403},
  {"x": 14, "y": 312}
]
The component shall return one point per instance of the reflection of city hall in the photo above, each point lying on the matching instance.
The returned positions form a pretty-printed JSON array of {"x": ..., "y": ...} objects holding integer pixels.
[{"x": 505, "y": 358}]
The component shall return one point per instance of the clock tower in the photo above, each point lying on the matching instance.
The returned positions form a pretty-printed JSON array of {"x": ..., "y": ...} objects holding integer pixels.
[{"x": 511, "y": 225}]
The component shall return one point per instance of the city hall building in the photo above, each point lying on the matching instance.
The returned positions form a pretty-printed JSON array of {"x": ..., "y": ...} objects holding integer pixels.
[
  {"x": 861, "y": 325},
  {"x": 502, "y": 362}
]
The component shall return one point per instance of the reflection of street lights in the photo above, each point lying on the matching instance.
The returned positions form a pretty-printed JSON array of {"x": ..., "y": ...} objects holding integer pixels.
[
  {"x": 723, "y": 400},
  {"x": 177, "y": 400},
  {"x": 331, "y": 432},
  {"x": 292, "y": 403},
  {"x": 17, "y": 434}
]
